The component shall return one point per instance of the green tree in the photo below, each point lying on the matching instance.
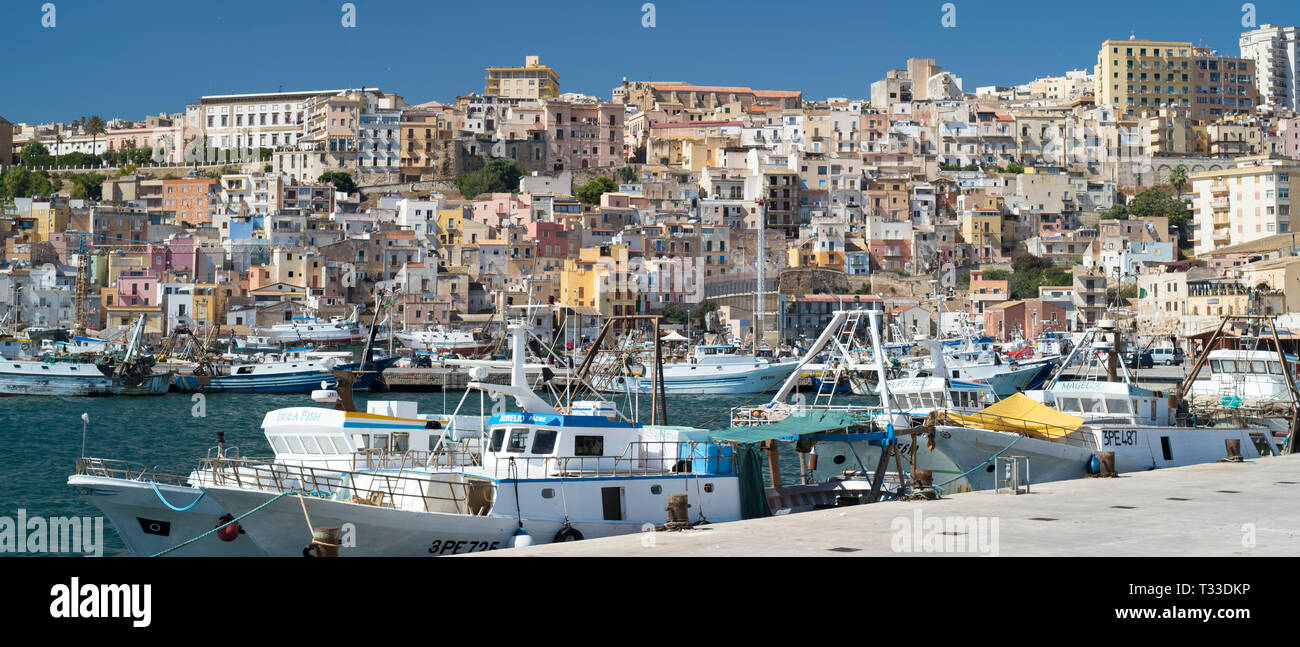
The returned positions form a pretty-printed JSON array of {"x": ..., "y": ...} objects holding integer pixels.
[
  {"x": 32, "y": 150},
  {"x": 1178, "y": 177},
  {"x": 497, "y": 176},
  {"x": 1117, "y": 212},
  {"x": 675, "y": 313},
  {"x": 1154, "y": 203},
  {"x": 342, "y": 181},
  {"x": 87, "y": 186},
  {"x": 95, "y": 126},
  {"x": 590, "y": 192},
  {"x": 628, "y": 175},
  {"x": 20, "y": 182}
]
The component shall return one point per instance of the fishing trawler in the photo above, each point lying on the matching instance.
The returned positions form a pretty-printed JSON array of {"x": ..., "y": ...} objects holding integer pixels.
[
  {"x": 440, "y": 341},
  {"x": 713, "y": 369},
  {"x": 303, "y": 329},
  {"x": 82, "y": 375},
  {"x": 157, "y": 509},
  {"x": 290, "y": 372},
  {"x": 547, "y": 473},
  {"x": 1061, "y": 430},
  {"x": 1246, "y": 378}
]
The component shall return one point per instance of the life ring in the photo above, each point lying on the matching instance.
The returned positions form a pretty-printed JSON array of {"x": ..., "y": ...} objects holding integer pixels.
[
  {"x": 26, "y": 346},
  {"x": 567, "y": 533},
  {"x": 758, "y": 415},
  {"x": 261, "y": 359}
]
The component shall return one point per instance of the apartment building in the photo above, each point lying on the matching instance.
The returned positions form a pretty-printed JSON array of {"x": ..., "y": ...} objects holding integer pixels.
[
  {"x": 1137, "y": 73},
  {"x": 1242, "y": 204},
  {"x": 1275, "y": 52},
  {"x": 532, "y": 81},
  {"x": 1223, "y": 85},
  {"x": 583, "y": 135},
  {"x": 266, "y": 120}
]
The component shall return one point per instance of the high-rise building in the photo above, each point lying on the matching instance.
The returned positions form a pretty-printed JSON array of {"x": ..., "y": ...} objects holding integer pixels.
[
  {"x": 1223, "y": 85},
  {"x": 1274, "y": 51},
  {"x": 532, "y": 81},
  {"x": 1134, "y": 74}
]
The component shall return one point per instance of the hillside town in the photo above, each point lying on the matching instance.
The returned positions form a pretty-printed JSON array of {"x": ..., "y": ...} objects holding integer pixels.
[{"x": 1149, "y": 185}]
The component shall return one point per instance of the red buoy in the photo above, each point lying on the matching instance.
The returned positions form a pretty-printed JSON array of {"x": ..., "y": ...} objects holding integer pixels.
[{"x": 229, "y": 533}]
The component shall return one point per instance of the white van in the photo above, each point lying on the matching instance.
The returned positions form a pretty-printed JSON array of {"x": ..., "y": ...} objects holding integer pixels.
[{"x": 1167, "y": 356}]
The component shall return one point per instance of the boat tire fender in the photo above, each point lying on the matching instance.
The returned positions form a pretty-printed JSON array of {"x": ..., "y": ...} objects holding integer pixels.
[{"x": 567, "y": 533}]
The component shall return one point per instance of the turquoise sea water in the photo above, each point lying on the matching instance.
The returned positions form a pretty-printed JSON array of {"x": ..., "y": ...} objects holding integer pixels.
[{"x": 40, "y": 437}]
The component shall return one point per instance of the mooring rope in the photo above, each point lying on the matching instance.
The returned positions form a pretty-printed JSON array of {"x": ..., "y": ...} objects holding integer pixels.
[
  {"x": 168, "y": 503},
  {"x": 242, "y": 516}
]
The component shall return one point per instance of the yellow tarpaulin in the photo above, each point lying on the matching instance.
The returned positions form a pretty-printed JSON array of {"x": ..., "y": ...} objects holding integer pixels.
[{"x": 1019, "y": 413}]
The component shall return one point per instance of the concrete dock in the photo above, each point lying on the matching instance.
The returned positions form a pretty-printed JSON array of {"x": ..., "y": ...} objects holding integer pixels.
[{"x": 1217, "y": 509}]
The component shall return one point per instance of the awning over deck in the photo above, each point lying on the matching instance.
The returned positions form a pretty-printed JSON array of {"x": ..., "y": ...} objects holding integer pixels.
[{"x": 1021, "y": 414}]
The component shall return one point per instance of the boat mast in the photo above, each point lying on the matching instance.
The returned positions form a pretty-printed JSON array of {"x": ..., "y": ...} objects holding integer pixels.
[{"x": 758, "y": 289}]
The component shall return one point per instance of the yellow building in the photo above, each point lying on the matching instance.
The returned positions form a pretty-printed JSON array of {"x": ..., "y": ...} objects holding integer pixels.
[
  {"x": 982, "y": 230},
  {"x": 51, "y": 218},
  {"x": 600, "y": 277},
  {"x": 1133, "y": 74},
  {"x": 532, "y": 81},
  {"x": 209, "y": 303},
  {"x": 451, "y": 224}
]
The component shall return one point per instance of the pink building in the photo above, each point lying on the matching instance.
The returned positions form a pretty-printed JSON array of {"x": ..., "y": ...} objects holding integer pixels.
[{"x": 137, "y": 288}]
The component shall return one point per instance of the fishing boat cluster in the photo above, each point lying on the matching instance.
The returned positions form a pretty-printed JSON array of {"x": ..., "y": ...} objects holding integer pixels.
[{"x": 868, "y": 419}]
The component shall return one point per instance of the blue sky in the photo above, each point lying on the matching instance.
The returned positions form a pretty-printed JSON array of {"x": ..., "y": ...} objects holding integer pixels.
[{"x": 129, "y": 58}]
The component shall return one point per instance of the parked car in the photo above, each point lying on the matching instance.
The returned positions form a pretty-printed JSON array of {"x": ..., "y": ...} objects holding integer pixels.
[
  {"x": 1143, "y": 359},
  {"x": 1168, "y": 356}
]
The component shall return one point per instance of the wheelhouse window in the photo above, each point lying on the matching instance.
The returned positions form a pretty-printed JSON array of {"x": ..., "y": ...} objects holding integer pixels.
[
  {"x": 498, "y": 439},
  {"x": 310, "y": 444},
  {"x": 279, "y": 445},
  {"x": 1275, "y": 368},
  {"x": 401, "y": 442},
  {"x": 518, "y": 440},
  {"x": 1069, "y": 404},
  {"x": 588, "y": 445},
  {"x": 1117, "y": 405},
  {"x": 362, "y": 440},
  {"x": 544, "y": 441},
  {"x": 294, "y": 445}
]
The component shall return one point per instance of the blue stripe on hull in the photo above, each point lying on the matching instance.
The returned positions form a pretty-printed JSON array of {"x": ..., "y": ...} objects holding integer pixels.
[{"x": 300, "y": 382}]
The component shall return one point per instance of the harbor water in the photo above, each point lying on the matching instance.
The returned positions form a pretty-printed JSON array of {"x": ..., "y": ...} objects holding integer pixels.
[{"x": 42, "y": 436}]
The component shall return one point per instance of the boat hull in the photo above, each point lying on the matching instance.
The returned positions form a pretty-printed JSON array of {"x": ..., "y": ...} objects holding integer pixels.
[
  {"x": 961, "y": 459},
  {"x": 704, "y": 379},
  {"x": 97, "y": 384},
  {"x": 289, "y": 382},
  {"x": 147, "y": 526}
]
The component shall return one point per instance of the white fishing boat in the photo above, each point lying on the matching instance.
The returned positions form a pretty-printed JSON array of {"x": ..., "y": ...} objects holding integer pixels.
[
  {"x": 441, "y": 341},
  {"x": 1246, "y": 379},
  {"x": 303, "y": 329},
  {"x": 154, "y": 509},
  {"x": 712, "y": 370},
  {"x": 1061, "y": 431},
  {"x": 547, "y": 473}
]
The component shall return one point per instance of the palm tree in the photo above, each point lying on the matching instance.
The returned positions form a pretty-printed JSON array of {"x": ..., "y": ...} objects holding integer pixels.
[
  {"x": 1178, "y": 177},
  {"x": 58, "y": 144},
  {"x": 95, "y": 126}
]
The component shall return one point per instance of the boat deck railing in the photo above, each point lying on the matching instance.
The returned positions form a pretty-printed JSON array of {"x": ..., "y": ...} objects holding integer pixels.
[
  {"x": 641, "y": 458},
  {"x": 131, "y": 471},
  {"x": 451, "y": 493}
]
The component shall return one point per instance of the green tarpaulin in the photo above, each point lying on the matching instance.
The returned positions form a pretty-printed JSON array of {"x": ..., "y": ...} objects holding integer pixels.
[
  {"x": 753, "y": 496},
  {"x": 796, "y": 424}
]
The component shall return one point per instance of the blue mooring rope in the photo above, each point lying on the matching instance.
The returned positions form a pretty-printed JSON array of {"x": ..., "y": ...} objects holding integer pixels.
[{"x": 168, "y": 503}]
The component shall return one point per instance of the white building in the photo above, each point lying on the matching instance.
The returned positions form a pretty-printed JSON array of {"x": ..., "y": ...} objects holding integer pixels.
[{"x": 1274, "y": 50}]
